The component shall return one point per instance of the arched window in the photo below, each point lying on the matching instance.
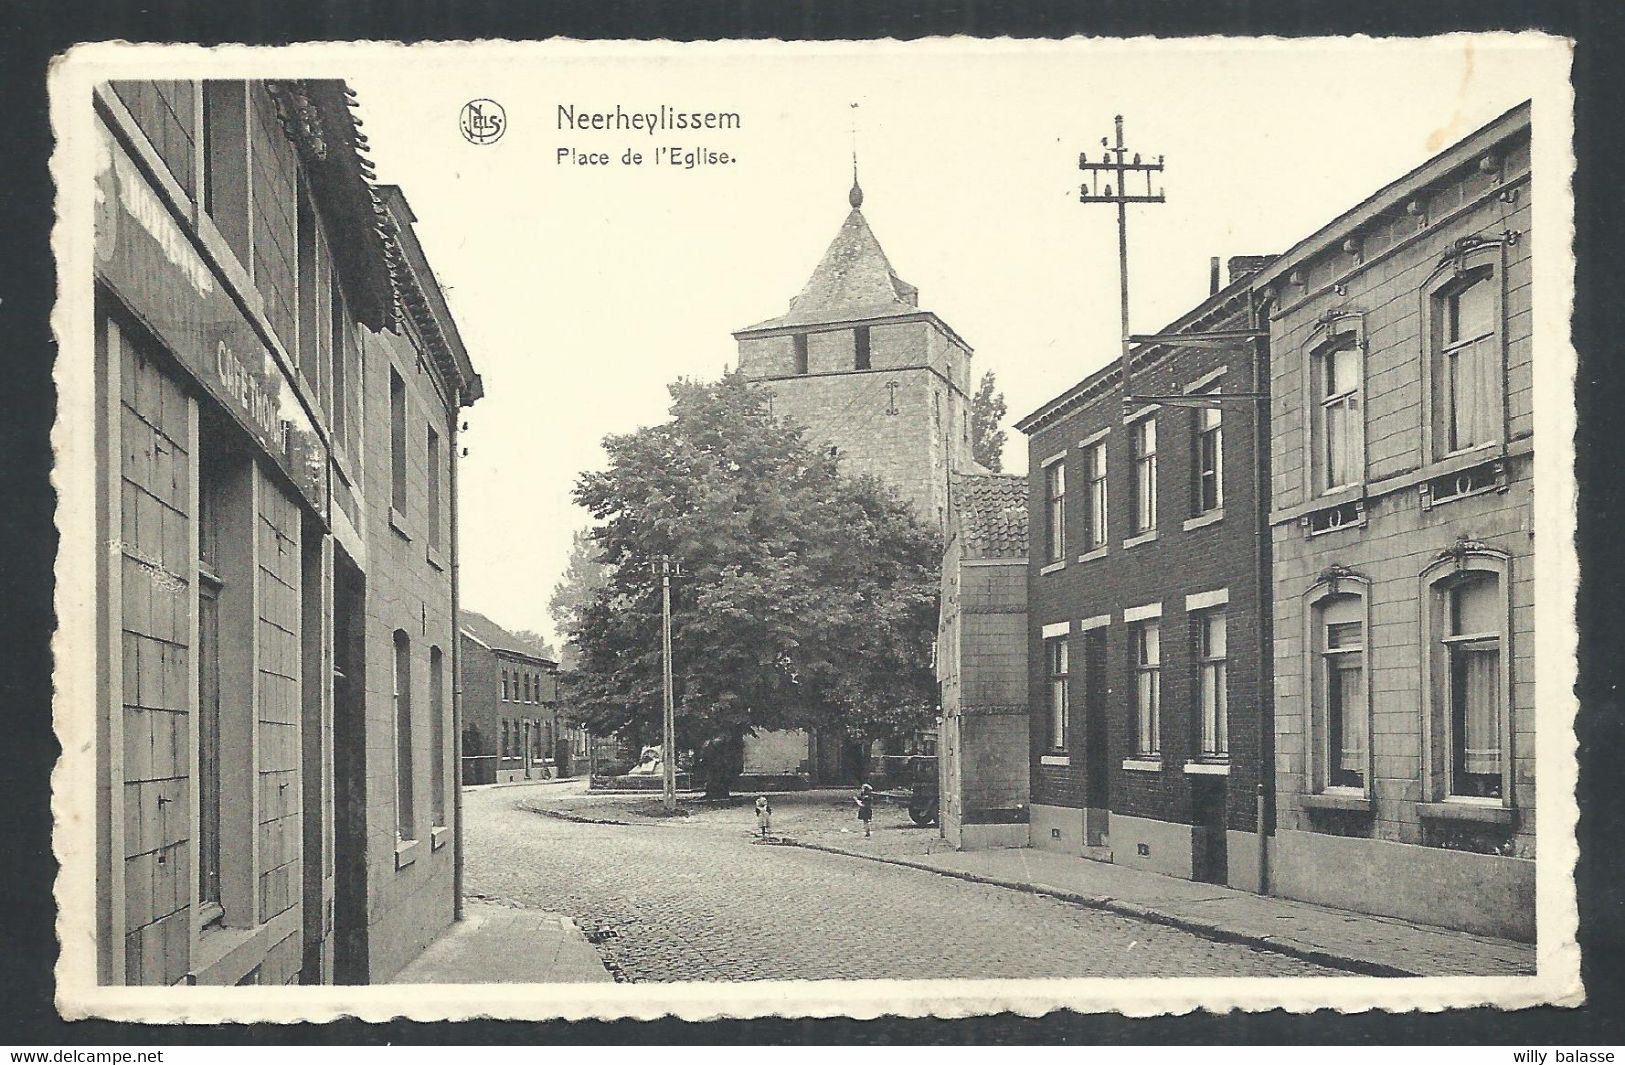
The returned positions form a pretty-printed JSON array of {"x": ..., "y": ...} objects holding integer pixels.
[
  {"x": 405, "y": 823},
  {"x": 437, "y": 735},
  {"x": 1463, "y": 332},
  {"x": 1467, "y": 670},
  {"x": 1334, "y": 377},
  {"x": 1339, "y": 704}
]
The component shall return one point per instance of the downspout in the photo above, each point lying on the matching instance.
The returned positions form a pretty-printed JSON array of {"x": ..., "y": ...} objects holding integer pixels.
[
  {"x": 457, "y": 676},
  {"x": 1263, "y": 587}
]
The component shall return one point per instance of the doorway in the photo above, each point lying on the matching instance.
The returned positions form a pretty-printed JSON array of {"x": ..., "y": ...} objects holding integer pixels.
[
  {"x": 1096, "y": 740},
  {"x": 349, "y": 773}
]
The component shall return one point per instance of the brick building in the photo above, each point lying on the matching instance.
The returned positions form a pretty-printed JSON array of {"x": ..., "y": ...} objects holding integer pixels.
[
  {"x": 1147, "y": 611},
  {"x": 276, "y": 381},
  {"x": 875, "y": 378},
  {"x": 1401, "y": 524},
  {"x": 982, "y": 750},
  {"x": 514, "y": 727}
]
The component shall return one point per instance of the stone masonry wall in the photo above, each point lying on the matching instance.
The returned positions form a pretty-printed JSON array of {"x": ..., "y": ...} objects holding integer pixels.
[
  {"x": 409, "y": 904},
  {"x": 1400, "y": 538}
]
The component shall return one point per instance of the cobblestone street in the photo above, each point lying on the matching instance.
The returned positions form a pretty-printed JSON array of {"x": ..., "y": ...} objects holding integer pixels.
[{"x": 696, "y": 898}]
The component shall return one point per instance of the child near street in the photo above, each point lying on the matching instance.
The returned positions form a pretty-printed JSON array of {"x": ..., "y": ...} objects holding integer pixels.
[
  {"x": 764, "y": 815},
  {"x": 866, "y": 807}
]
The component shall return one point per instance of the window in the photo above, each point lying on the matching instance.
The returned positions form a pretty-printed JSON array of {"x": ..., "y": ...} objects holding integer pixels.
[
  {"x": 225, "y": 161},
  {"x": 405, "y": 824},
  {"x": 1339, "y": 445},
  {"x": 437, "y": 735},
  {"x": 338, "y": 346},
  {"x": 1055, "y": 510},
  {"x": 1341, "y": 690},
  {"x": 1055, "y": 654},
  {"x": 1209, "y": 456},
  {"x": 1143, "y": 435},
  {"x": 800, "y": 346},
  {"x": 1145, "y": 640},
  {"x": 860, "y": 339},
  {"x": 1466, "y": 368},
  {"x": 1211, "y": 683},
  {"x": 397, "y": 441},
  {"x": 1094, "y": 465},
  {"x": 303, "y": 347},
  {"x": 434, "y": 488},
  {"x": 1472, "y": 658},
  {"x": 504, "y": 685}
]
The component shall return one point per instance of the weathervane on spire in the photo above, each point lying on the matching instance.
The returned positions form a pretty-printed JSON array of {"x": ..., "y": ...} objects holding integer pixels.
[{"x": 855, "y": 197}]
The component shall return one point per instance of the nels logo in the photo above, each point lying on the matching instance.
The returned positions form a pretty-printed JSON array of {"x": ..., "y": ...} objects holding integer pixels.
[{"x": 483, "y": 121}]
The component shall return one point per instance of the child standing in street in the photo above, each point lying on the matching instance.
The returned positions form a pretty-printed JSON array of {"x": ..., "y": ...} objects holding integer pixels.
[
  {"x": 866, "y": 807},
  {"x": 764, "y": 815}
]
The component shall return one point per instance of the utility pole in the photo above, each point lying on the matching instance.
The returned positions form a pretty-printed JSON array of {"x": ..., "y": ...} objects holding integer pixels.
[
  {"x": 668, "y": 749},
  {"x": 1117, "y": 169}
]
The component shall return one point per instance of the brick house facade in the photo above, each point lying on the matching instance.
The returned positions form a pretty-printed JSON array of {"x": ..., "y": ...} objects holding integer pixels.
[
  {"x": 514, "y": 726},
  {"x": 1147, "y": 616},
  {"x": 1401, "y": 524},
  {"x": 246, "y": 309}
]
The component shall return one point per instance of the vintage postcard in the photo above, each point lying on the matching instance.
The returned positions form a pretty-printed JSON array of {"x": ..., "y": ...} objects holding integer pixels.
[{"x": 625, "y": 529}]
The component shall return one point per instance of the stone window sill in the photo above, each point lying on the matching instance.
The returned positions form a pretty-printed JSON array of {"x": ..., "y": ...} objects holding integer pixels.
[
  {"x": 406, "y": 852},
  {"x": 1055, "y": 759},
  {"x": 1212, "y": 517},
  {"x": 1149, "y": 536},
  {"x": 432, "y": 553},
  {"x": 1331, "y": 800},
  {"x": 1146, "y": 764},
  {"x": 438, "y": 836},
  {"x": 1053, "y": 567},
  {"x": 1090, "y": 556},
  {"x": 397, "y": 521},
  {"x": 1459, "y": 810},
  {"x": 1212, "y": 769}
]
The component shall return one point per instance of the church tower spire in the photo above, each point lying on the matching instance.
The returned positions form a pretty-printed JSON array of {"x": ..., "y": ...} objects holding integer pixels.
[{"x": 855, "y": 197}]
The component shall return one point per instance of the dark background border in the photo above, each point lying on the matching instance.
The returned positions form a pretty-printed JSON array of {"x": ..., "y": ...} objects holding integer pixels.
[{"x": 31, "y": 31}]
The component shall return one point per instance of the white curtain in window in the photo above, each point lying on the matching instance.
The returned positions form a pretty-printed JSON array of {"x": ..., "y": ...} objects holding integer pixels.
[
  {"x": 1471, "y": 388},
  {"x": 1481, "y": 718},
  {"x": 1349, "y": 676}
]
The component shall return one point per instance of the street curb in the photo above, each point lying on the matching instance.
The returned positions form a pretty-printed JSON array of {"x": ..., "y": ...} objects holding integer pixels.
[{"x": 1207, "y": 929}]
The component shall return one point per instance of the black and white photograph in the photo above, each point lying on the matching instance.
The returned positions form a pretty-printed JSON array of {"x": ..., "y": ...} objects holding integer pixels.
[{"x": 738, "y": 529}]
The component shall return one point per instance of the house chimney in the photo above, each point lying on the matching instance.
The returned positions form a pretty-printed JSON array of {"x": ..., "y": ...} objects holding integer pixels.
[
  {"x": 1213, "y": 276},
  {"x": 1246, "y": 265}
]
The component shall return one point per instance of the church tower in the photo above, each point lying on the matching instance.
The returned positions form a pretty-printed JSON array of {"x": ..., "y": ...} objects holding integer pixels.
[{"x": 868, "y": 372}]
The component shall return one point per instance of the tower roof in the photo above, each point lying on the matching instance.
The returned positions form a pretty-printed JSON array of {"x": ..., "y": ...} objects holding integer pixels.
[{"x": 853, "y": 280}]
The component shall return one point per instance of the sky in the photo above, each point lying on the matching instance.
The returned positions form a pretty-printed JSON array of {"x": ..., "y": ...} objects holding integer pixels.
[{"x": 582, "y": 291}]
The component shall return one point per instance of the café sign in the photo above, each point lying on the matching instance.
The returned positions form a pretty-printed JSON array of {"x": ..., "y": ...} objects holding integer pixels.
[{"x": 148, "y": 258}]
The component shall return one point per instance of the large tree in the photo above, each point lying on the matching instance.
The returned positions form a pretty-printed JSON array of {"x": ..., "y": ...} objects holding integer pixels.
[
  {"x": 987, "y": 413},
  {"x": 807, "y": 598},
  {"x": 584, "y": 574}
]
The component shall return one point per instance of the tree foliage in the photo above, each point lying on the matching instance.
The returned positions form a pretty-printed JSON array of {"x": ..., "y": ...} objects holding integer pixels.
[
  {"x": 987, "y": 413},
  {"x": 584, "y": 574},
  {"x": 807, "y": 598}
]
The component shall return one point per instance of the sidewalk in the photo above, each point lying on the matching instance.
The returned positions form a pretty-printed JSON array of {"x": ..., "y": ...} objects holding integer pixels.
[
  {"x": 507, "y": 945},
  {"x": 1361, "y": 943}
]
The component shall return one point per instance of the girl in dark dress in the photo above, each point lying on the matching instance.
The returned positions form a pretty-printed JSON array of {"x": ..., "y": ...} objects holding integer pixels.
[{"x": 866, "y": 807}]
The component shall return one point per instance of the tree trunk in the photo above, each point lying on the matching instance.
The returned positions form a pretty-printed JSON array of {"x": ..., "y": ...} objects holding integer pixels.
[{"x": 718, "y": 763}]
